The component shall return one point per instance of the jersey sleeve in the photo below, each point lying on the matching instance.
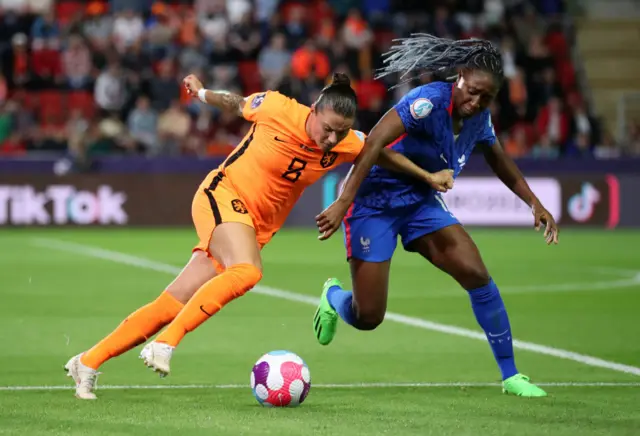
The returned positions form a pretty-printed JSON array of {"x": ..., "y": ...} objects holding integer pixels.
[
  {"x": 487, "y": 134},
  {"x": 415, "y": 110},
  {"x": 263, "y": 105},
  {"x": 353, "y": 146}
]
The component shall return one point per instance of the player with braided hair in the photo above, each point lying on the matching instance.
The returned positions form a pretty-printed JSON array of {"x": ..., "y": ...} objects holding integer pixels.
[{"x": 436, "y": 126}]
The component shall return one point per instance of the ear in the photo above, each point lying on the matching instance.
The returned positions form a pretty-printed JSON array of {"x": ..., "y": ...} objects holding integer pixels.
[{"x": 460, "y": 79}]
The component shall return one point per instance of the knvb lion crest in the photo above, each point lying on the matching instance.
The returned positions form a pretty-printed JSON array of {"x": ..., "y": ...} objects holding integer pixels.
[
  {"x": 239, "y": 206},
  {"x": 328, "y": 159}
]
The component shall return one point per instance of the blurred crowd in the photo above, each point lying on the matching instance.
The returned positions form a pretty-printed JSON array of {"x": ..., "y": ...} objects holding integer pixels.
[{"x": 104, "y": 77}]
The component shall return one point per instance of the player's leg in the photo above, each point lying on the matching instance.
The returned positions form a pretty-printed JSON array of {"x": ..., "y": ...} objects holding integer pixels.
[
  {"x": 231, "y": 240},
  {"x": 437, "y": 236},
  {"x": 370, "y": 239},
  {"x": 234, "y": 246},
  {"x": 149, "y": 319},
  {"x": 141, "y": 324}
]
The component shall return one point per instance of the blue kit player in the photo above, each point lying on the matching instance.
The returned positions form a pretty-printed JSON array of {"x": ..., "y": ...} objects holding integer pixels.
[{"x": 437, "y": 126}]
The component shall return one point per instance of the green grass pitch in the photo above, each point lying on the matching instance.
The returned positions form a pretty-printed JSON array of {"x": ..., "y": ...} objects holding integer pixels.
[{"x": 62, "y": 290}]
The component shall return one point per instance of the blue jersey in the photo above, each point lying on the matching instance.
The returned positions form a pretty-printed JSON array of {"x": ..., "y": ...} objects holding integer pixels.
[{"x": 429, "y": 142}]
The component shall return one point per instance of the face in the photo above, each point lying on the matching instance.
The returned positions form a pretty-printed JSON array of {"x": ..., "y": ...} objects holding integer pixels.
[
  {"x": 327, "y": 128},
  {"x": 474, "y": 91}
]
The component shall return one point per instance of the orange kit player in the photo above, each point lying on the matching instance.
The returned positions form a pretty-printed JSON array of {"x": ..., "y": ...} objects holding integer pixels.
[{"x": 237, "y": 209}]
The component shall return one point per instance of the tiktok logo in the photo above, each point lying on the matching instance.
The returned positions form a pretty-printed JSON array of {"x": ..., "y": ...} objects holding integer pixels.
[{"x": 582, "y": 205}]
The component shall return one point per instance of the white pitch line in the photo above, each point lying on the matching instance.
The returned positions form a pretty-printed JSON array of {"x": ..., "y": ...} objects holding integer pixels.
[
  {"x": 149, "y": 264},
  {"x": 323, "y": 386}
]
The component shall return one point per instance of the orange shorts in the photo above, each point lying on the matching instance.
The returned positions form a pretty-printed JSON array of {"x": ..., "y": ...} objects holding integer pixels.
[{"x": 217, "y": 202}]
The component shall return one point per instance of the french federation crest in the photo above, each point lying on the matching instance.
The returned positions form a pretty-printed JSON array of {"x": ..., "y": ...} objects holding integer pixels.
[{"x": 328, "y": 159}]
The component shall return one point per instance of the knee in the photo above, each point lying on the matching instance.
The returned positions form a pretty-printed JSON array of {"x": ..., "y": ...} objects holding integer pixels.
[
  {"x": 369, "y": 324},
  {"x": 369, "y": 320},
  {"x": 245, "y": 276},
  {"x": 474, "y": 276}
]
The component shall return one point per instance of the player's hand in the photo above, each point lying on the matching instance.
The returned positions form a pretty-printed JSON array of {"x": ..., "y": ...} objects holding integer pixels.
[
  {"x": 441, "y": 181},
  {"x": 543, "y": 217},
  {"x": 330, "y": 219},
  {"x": 193, "y": 84}
]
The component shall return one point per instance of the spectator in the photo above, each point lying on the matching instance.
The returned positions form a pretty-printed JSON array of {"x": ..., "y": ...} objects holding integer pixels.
[
  {"x": 552, "y": 122},
  {"x": 214, "y": 23},
  {"x": 16, "y": 62},
  {"x": 544, "y": 149},
  {"x": 444, "y": 25},
  {"x": 308, "y": 62},
  {"x": 274, "y": 61},
  {"x": 76, "y": 63},
  {"x": 128, "y": 29},
  {"x": 160, "y": 31},
  {"x": 581, "y": 122},
  {"x": 110, "y": 89},
  {"x": 142, "y": 123},
  {"x": 45, "y": 26},
  {"x": 516, "y": 145},
  {"x": 580, "y": 147},
  {"x": 295, "y": 28},
  {"x": 245, "y": 38},
  {"x": 238, "y": 10},
  {"x": 174, "y": 125},
  {"x": 192, "y": 57},
  {"x": 77, "y": 130},
  {"x": 99, "y": 26},
  {"x": 607, "y": 149},
  {"x": 164, "y": 87}
]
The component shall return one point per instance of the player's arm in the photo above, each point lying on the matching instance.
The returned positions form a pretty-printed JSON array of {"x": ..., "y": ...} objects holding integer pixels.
[
  {"x": 393, "y": 161},
  {"x": 225, "y": 100},
  {"x": 388, "y": 129},
  {"x": 383, "y": 133},
  {"x": 507, "y": 171}
]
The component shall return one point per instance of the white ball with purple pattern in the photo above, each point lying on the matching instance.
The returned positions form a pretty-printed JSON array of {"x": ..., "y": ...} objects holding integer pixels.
[{"x": 280, "y": 379}]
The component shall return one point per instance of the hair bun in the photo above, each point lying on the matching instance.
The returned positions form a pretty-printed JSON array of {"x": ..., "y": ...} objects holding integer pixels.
[{"x": 340, "y": 79}]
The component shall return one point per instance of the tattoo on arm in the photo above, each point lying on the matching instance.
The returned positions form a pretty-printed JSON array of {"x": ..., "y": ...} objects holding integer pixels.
[{"x": 227, "y": 101}]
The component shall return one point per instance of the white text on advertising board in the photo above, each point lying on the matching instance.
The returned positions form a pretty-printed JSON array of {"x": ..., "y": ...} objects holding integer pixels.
[{"x": 61, "y": 204}]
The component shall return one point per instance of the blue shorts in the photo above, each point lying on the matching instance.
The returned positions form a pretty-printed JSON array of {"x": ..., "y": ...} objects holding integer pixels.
[{"x": 372, "y": 234}]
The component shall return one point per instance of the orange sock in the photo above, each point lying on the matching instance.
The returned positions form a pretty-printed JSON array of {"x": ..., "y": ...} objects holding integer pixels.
[
  {"x": 134, "y": 330},
  {"x": 234, "y": 282}
]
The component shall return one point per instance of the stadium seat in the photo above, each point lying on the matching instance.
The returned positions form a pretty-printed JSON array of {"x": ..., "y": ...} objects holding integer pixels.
[
  {"x": 52, "y": 106},
  {"x": 65, "y": 10},
  {"x": 83, "y": 101},
  {"x": 250, "y": 77}
]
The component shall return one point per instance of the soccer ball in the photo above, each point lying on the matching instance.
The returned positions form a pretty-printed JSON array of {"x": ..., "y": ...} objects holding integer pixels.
[{"x": 280, "y": 379}]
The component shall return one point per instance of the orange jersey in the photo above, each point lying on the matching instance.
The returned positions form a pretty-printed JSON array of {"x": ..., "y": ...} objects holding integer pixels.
[{"x": 276, "y": 160}]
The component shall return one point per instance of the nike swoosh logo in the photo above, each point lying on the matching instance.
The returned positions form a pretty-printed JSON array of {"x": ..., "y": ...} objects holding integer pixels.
[
  {"x": 279, "y": 140},
  {"x": 490, "y": 334},
  {"x": 202, "y": 309}
]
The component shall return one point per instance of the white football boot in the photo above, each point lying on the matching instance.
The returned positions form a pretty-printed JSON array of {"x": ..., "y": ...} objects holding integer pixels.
[
  {"x": 86, "y": 378},
  {"x": 157, "y": 357}
]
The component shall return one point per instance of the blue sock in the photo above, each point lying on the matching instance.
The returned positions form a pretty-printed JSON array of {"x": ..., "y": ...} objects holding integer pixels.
[
  {"x": 340, "y": 300},
  {"x": 492, "y": 316}
]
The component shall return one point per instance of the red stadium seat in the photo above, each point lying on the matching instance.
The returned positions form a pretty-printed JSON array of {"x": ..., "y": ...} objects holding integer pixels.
[
  {"x": 250, "y": 77},
  {"x": 52, "y": 107},
  {"x": 65, "y": 10},
  {"x": 82, "y": 101}
]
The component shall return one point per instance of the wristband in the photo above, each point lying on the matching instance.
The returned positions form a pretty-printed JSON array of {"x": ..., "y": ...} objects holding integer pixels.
[{"x": 202, "y": 95}]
